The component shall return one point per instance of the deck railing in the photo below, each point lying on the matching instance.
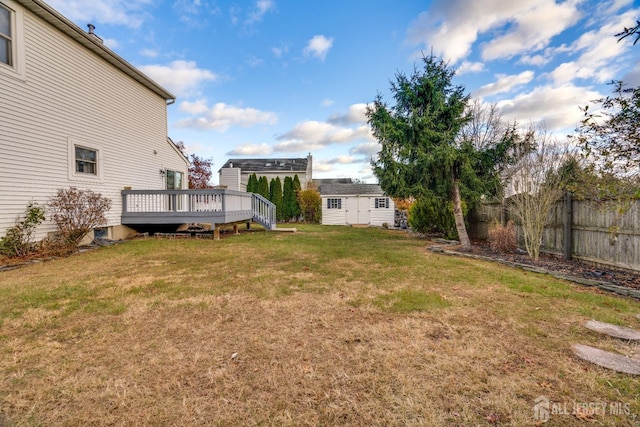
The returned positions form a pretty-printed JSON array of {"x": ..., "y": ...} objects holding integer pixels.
[{"x": 214, "y": 206}]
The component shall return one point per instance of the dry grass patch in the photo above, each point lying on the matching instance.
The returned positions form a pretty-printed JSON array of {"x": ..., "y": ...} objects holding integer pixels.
[{"x": 353, "y": 327}]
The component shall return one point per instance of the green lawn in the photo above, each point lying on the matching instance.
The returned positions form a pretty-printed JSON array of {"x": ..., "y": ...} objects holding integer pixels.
[{"x": 326, "y": 326}]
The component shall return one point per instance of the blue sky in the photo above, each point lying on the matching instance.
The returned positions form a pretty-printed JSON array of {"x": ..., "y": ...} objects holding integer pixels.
[{"x": 276, "y": 78}]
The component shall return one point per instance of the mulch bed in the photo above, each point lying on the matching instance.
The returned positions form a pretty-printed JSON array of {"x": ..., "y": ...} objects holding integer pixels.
[
  {"x": 555, "y": 264},
  {"x": 610, "y": 279}
]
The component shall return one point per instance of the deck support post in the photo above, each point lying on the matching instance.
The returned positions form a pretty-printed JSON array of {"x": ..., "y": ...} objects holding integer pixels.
[
  {"x": 216, "y": 233},
  {"x": 235, "y": 229}
]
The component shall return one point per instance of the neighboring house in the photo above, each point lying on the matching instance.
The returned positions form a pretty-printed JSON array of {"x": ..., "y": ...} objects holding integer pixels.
[
  {"x": 356, "y": 204},
  {"x": 73, "y": 113},
  {"x": 234, "y": 174}
]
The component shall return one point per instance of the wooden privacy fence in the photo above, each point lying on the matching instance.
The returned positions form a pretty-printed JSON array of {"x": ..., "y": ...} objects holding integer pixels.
[{"x": 602, "y": 233}]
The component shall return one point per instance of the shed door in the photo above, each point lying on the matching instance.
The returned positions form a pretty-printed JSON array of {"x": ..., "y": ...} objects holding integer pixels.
[{"x": 357, "y": 210}]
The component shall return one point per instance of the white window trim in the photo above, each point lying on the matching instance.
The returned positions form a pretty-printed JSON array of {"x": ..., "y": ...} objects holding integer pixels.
[
  {"x": 85, "y": 177},
  {"x": 17, "y": 48}
]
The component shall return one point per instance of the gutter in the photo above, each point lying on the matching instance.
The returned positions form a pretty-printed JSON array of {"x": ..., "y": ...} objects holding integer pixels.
[{"x": 58, "y": 21}]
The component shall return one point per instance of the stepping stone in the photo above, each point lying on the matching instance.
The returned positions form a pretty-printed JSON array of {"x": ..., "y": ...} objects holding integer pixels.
[
  {"x": 613, "y": 330},
  {"x": 606, "y": 359}
]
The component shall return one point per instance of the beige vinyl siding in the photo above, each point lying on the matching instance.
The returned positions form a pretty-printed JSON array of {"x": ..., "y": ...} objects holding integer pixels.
[
  {"x": 230, "y": 178},
  {"x": 70, "y": 93}
]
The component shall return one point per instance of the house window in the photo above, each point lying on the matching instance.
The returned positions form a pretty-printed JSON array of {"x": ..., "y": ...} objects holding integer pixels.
[
  {"x": 174, "y": 180},
  {"x": 382, "y": 202},
  {"x": 334, "y": 203},
  {"x": 11, "y": 39},
  {"x": 6, "y": 35},
  {"x": 86, "y": 160}
]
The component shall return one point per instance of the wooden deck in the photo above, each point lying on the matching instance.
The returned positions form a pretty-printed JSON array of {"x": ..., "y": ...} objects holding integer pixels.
[{"x": 211, "y": 206}]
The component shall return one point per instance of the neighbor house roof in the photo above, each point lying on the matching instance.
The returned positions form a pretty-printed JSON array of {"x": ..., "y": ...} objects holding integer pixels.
[
  {"x": 324, "y": 181},
  {"x": 350, "y": 189},
  {"x": 268, "y": 165},
  {"x": 93, "y": 43}
]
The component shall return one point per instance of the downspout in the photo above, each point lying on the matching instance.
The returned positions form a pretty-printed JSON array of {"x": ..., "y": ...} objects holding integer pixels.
[{"x": 170, "y": 101}]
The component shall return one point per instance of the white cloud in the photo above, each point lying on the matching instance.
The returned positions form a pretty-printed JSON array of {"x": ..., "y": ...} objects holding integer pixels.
[
  {"x": 318, "y": 47},
  {"x": 557, "y": 107},
  {"x": 149, "y": 53},
  {"x": 193, "y": 13},
  {"x": 197, "y": 107},
  {"x": 279, "y": 51},
  {"x": 322, "y": 167},
  {"x": 451, "y": 27},
  {"x": 182, "y": 78},
  {"x": 532, "y": 29},
  {"x": 130, "y": 13},
  {"x": 314, "y": 135},
  {"x": 357, "y": 114},
  {"x": 367, "y": 149},
  {"x": 536, "y": 60},
  {"x": 111, "y": 43},
  {"x": 260, "y": 9},
  {"x": 504, "y": 84},
  {"x": 343, "y": 160},
  {"x": 251, "y": 150},
  {"x": 222, "y": 116},
  {"x": 600, "y": 53},
  {"x": 327, "y": 102},
  {"x": 470, "y": 67},
  {"x": 632, "y": 78},
  {"x": 254, "y": 61}
]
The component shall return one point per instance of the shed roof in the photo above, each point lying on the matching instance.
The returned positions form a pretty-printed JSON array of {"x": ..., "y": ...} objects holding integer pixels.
[
  {"x": 53, "y": 17},
  {"x": 268, "y": 165},
  {"x": 350, "y": 189}
]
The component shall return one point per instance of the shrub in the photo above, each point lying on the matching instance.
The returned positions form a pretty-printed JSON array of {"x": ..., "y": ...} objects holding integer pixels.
[
  {"x": 503, "y": 237},
  {"x": 18, "y": 241},
  {"x": 434, "y": 215},
  {"x": 76, "y": 213},
  {"x": 310, "y": 205}
]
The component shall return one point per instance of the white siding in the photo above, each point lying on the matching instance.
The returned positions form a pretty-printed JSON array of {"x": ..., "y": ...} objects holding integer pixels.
[
  {"x": 379, "y": 216},
  {"x": 70, "y": 94},
  {"x": 333, "y": 216}
]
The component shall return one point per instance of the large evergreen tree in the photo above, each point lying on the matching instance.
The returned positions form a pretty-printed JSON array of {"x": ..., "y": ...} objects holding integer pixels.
[
  {"x": 263, "y": 187},
  {"x": 295, "y": 207},
  {"x": 420, "y": 155},
  {"x": 275, "y": 196},
  {"x": 288, "y": 199},
  {"x": 252, "y": 184}
]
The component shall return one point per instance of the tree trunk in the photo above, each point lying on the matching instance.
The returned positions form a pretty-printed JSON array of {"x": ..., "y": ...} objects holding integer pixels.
[{"x": 459, "y": 217}]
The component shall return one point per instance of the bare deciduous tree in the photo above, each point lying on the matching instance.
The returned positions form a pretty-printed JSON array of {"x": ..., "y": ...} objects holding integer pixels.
[
  {"x": 537, "y": 185},
  {"x": 485, "y": 125}
]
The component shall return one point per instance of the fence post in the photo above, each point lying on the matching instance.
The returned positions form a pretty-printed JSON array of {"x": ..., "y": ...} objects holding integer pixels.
[{"x": 568, "y": 226}]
